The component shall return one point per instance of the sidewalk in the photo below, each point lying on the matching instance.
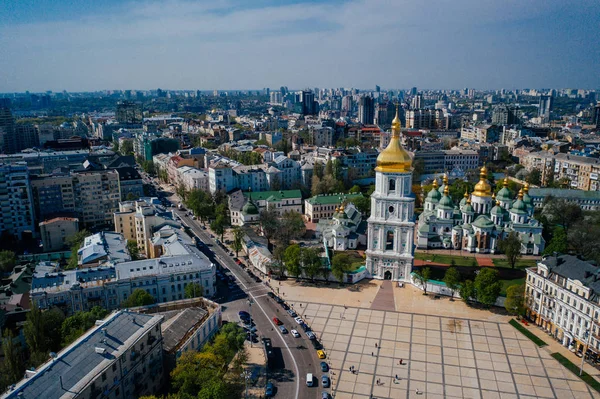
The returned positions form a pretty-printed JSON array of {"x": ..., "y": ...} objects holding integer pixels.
[{"x": 256, "y": 367}]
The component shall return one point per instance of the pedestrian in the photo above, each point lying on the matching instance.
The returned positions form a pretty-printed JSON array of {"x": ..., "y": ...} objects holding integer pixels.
[
  {"x": 372, "y": 354},
  {"x": 376, "y": 344},
  {"x": 396, "y": 376},
  {"x": 350, "y": 368},
  {"x": 400, "y": 361}
]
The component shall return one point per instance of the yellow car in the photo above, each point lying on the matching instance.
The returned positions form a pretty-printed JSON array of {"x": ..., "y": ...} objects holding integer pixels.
[{"x": 320, "y": 354}]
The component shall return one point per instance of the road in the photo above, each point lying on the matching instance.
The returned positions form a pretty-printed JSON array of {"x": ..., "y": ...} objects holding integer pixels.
[{"x": 297, "y": 354}]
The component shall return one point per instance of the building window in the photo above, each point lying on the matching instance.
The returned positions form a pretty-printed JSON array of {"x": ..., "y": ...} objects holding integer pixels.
[
  {"x": 389, "y": 242},
  {"x": 392, "y": 185}
]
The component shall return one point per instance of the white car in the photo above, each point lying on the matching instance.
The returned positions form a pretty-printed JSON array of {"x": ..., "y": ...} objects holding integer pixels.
[
  {"x": 298, "y": 320},
  {"x": 295, "y": 333}
]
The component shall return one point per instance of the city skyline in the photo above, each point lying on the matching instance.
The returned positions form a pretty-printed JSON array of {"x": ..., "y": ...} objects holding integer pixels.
[{"x": 64, "y": 45}]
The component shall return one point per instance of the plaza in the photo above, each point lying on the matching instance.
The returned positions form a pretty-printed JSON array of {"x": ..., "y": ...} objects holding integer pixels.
[{"x": 441, "y": 357}]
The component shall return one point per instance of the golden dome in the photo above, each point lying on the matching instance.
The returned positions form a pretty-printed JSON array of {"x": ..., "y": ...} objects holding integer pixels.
[
  {"x": 394, "y": 159},
  {"x": 483, "y": 188},
  {"x": 466, "y": 195},
  {"x": 494, "y": 196},
  {"x": 446, "y": 190},
  {"x": 526, "y": 188},
  {"x": 469, "y": 200},
  {"x": 445, "y": 179},
  {"x": 435, "y": 184},
  {"x": 520, "y": 195},
  {"x": 505, "y": 184}
]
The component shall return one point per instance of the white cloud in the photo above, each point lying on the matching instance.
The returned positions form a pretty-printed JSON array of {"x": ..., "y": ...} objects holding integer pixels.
[{"x": 224, "y": 44}]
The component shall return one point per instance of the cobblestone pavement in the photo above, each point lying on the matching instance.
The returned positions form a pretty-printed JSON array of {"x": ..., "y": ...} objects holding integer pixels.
[{"x": 434, "y": 357}]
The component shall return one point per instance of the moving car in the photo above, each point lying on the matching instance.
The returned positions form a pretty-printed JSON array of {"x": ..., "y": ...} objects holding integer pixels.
[
  {"x": 269, "y": 390},
  {"x": 321, "y": 354},
  {"x": 295, "y": 334},
  {"x": 309, "y": 380},
  {"x": 324, "y": 367},
  {"x": 277, "y": 321},
  {"x": 325, "y": 381},
  {"x": 283, "y": 329}
]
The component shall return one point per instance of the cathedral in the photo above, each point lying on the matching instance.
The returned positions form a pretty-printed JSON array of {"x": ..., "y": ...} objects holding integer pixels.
[
  {"x": 390, "y": 231},
  {"x": 480, "y": 220}
]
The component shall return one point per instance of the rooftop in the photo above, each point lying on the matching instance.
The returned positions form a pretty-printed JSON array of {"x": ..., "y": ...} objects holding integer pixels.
[
  {"x": 277, "y": 195},
  {"x": 77, "y": 365},
  {"x": 573, "y": 268},
  {"x": 564, "y": 193},
  {"x": 331, "y": 199},
  {"x": 176, "y": 329},
  {"x": 103, "y": 245}
]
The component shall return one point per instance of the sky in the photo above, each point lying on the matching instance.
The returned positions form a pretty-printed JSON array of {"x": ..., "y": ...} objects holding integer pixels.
[{"x": 88, "y": 45}]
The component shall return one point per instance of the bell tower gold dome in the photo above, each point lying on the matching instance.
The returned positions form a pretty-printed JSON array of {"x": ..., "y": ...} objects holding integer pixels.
[
  {"x": 394, "y": 159},
  {"x": 483, "y": 188}
]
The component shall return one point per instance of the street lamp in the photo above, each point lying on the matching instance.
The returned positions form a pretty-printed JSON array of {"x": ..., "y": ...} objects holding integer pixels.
[
  {"x": 587, "y": 337},
  {"x": 246, "y": 376},
  {"x": 250, "y": 302}
]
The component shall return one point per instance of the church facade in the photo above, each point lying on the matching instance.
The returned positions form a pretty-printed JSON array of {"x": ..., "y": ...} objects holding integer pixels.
[
  {"x": 480, "y": 220},
  {"x": 390, "y": 231}
]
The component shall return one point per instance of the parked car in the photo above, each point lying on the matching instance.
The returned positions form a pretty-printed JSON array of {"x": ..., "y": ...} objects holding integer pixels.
[
  {"x": 292, "y": 313},
  {"x": 324, "y": 395},
  {"x": 310, "y": 335},
  {"x": 283, "y": 329},
  {"x": 295, "y": 334},
  {"x": 269, "y": 390},
  {"x": 257, "y": 279},
  {"x": 324, "y": 367},
  {"x": 298, "y": 320},
  {"x": 320, "y": 354},
  {"x": 316, "y": 344},
  {"x": 243, "y": 314},
  {"x": 277, "y": 321},
  {"x": 325, "y": 381},
  {"x": 305, "y": 327},
  {"x": 270, "y": 295},
  {"x": 278, "y": 300}
]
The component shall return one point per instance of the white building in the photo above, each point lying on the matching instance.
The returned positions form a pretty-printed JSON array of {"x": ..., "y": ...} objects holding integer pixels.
[
  {"x": 103, "y": 248},
  {"x": 193, "y": 178},
  {"x": 345, "y": 230},
  {"x": 16, "y": 200},
  {"x": 391, "y": 224}
]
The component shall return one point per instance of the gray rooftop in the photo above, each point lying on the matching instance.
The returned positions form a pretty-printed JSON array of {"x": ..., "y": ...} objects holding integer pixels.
[
  {"x": 176, "y": 329},
  {"x": 79, "y": 364},
  {"x": 571, "y": 267},
  {"x": 564, "y": 193}
]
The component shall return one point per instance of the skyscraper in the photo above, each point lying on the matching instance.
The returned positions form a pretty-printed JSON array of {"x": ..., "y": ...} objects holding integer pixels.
[
  {"x": 7, "y": 128},
  {"x": 366, "y": 110},
  {"x": 347, "y": 105},
  {"x": 506, "y": 115},
  {"x": 596, "y": 115},
  {"x": 129, "y": 112},
  {"x": 545, "y": 108},
  {"x": 309, "y": 106}
]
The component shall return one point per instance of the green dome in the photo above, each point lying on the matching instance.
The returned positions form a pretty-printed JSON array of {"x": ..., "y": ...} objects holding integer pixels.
[
  {"x": 434, "y": 195},
  {"x": 527, "y": 199},
  {"x": 463, "y": 202},
  {"x": 249, "y": 208},
  {"x": 483, "y": 222},
  {"x": 504, "y": 195},
  {"x": 446, "y": 202},
  {"x": 497, "y": 210},
  {"x": 468, "y": 209},
  {"x": 519, "y": 207}
]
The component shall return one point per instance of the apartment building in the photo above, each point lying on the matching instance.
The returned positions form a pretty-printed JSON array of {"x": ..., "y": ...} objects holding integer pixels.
[
  {"x": 52, "y": 195},
  {"x": 582, "y": 172},
  {"x": 561, "y": 296},
  {"x": 481, "y": 133},
  {"x": 193, "y": 179},
  {"x": 97, "y": 195},
  {"x": 177, "y": 263},
  {"x": 245, "y": 208},
  {"x": 56, "y": 232},
  {"x": 321, "y": 136},
  {"x": 120, "y": 357},
  {"x": 542, "y": 161},
  {"x": 323, "y": 206},
  {"x": 138, "y": 220},
  {"x": 587, "y": 200},
  {"x": 130, "y": 183},
  {"x": 460, "y": 159},
  {"x": 103, "y": 248},
  {"x": 16, "y": 200}
]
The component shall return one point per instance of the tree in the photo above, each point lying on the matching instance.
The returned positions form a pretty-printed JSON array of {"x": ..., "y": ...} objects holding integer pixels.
[
  {"x": 74, "y": 326},
  {"x": 511, "y": 246},
  {"x": 269, "y": 224},
  {"x": 12, "y": 368},
  {"x": 139, "y": 297},
  {"x": 193, "y": 290},
  {"x": 238, "y": 237},
  {"x": 452, "y": 279},
  {"x": 423, "y": 275},
  {"x": 278, "y": 264},
  {"x": 42, "y": 332},
  {"x": 318, "y": 169},
  {"x": 8, "y": 260},
  {"x": 75, "y": 242},
  {"x": 340, "y": 264},
  {"x": 467, "y": 291},
  {"x": 363, "y": 204},
  {"x": 534, "y": 177},
  {"x": 218, "y": 226},
  {"x": 291, "y": 227},
  {"x": 291, "y": 257},
  {"x": 311, "y": 262},
  {"x": 558, "y": 243},
  {"x": 133, "y": 249},
  {"x": 487, "y": 286},
  {"x": 354, "y": 189},
  {"x": 515, "y": 300},
  {"x": 563, "y": 213},
  {"x": 584, "y": 237},
  {"x": 126, "y": 147},
  {"x": 33, "y": 330}
]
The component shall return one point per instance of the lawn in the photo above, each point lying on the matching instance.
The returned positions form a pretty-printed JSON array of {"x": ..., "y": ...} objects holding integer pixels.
[
  {"x": 527, "y": 333},
  {"x": 521, "y": 263},
  {"x": 588, "y": 379},
  {"x": 466, "y": 261}
]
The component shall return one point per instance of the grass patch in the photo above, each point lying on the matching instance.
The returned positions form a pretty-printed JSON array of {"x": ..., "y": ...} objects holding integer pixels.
[
  {"x": 521, "y": 263},
  {"x": 509, "y": 283},
  {"x": 588, "y": 379},
  {"x": 527, "y": 333},
  {"x": 466, "y": 261}
]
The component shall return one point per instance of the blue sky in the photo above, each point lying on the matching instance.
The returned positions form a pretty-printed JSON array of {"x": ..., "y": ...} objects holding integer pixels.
[{"x": 80, "y": 45}]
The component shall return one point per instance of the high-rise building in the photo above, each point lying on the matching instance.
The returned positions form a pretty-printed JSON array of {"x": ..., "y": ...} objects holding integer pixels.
[
  {"x": 27, "y": 136},
  {"x": 416, "y": 102},
  {"x": 16, "y": 209},
  {"x": 413, "y": 91},
  {"x": 276, "y": 97},
  {"x": 506, "y": 115},
  {"x": 347, "y": 105},
  {"x": 309, "y": 105},
  {"x": 366, "y": 110},
  {"x": 128, "y": 112},
  {"x": 8, "y": 141},
  {"x": 545, "y": 108},
  {"x": 391, "y": 224},
  {"x": 596, "y": 116}
]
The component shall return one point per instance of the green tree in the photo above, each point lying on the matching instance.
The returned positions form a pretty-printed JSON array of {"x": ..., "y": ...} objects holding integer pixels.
[
  {"x": 467, "y": 291},
  {"x": 291, "y": 257},
  {"x": 534, "y": 177},
  {"x": 238, "y": 237},
  {"x": 131, "y": 197},
  {"x": 452, "y": 279},
  {"x": 511, "y": 246},
  {"x": 515, "y": 300},
  {"x": 487, "y": 286},
  {"x": 139, "y": 297},
  {"x": 126, "y": 147},
  {"x": 363, "y": 204},
  {"x": 563, "y": 213},
  {"x": 423, "y": 275},
  {"x": 291, "y": 227},
  {"x": 340, "y": 264},
  {"x": 318, "y": 170},
  {"x": 76, "y": 325},
  {"x": 558, "y": 243},
  {"x": 33, "y": 330},
  {"x": 354, "y": 189},
  {"x": 133, "y": 249},
  {"x": 278, "y": 264},
  {"x": 218, "y": 226},
  {"x": 311, "y": 262},
  {"x": 193, "y": 290},
  {"x": 75, "y": 242},
  {"x": 42, "y": 332},
  {"x": 269, "y": 224},
  {"x": 8, "y": 261},
  {"x": 12, "y": 368}
]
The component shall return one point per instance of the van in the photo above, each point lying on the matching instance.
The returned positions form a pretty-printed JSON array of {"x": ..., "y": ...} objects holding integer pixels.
[{"x": 309, "y": 379}]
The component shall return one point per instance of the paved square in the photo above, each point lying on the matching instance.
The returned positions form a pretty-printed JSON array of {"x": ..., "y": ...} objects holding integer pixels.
[{"x": 441, "y": 357}]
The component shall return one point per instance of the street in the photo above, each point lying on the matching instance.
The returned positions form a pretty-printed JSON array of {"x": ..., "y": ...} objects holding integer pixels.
[{"x": 297, "y": 356}]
